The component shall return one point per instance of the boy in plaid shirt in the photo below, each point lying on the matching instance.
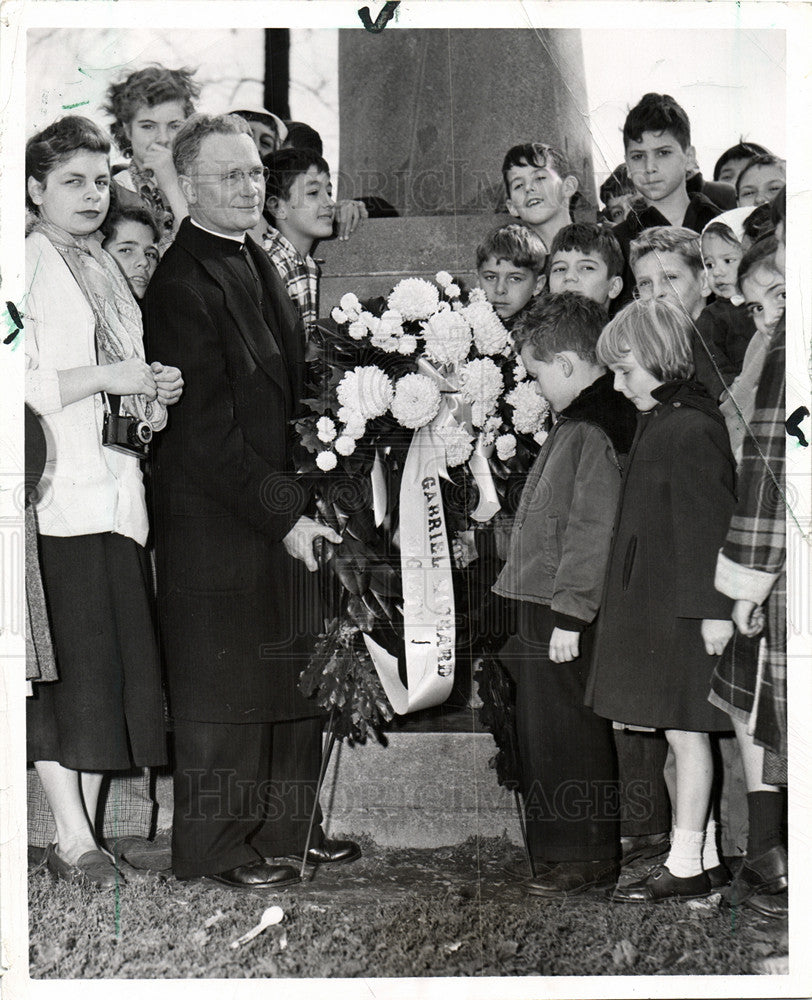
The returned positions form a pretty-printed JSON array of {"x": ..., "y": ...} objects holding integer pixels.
[{"x": 300, "y": 207}]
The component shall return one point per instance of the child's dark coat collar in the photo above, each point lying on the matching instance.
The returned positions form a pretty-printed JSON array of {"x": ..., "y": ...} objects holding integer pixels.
[
  {"x": 599, "y": 404},
  {"x": 686, "y": 392}
]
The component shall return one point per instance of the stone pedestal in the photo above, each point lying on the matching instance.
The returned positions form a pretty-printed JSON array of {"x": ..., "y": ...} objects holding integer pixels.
[{"x": 427, "y": 115}]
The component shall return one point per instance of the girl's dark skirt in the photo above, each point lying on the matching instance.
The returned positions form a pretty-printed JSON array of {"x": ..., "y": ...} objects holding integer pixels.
[{"x": 106, "y": 710}]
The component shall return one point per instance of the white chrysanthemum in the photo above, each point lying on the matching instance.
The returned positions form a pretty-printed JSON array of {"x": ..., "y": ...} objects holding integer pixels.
[
  {"x": 388, "y": 331},
  {"x": 366, "y": 390},
  {"x": 490, "y": 335},
  {"x": 448, "y": 338},
  {"x": 506, "y": 446},
  {"x": 326, "y": 430},
  {"x": 372, "y": 323},
  {"x": 481, "y": 412},
  {"x": 452, "y": 291},
  {"x": 357, "y": 330},
  {"x": 458, "y": 443},
  {"x": 481, "y": 382},
  {"x": 339, "y": 316},
  {"x": 354, "y": 424},
  {"x": 540, "y": 437},
  {"x": 326, "y": 460},
  {"x": 345, "y": 445},
  {"x": 477, "y": 295},
  {"x": 350, "y": 305},
  {"x": 519, "y": 371},
  {"x": 407, "y": 344},
  {"x": 414, "y": 298},
  {"x": 443, "y": 278},
  {"x": 529, "y": 407},
  {"x": 416, "y": 401}
]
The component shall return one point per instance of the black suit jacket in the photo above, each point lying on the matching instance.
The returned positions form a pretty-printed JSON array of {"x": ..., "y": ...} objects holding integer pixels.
[{"x": 237, "y": 614}]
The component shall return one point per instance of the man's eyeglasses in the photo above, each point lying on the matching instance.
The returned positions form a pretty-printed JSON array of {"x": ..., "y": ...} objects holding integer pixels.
[{"x": 233, "y": 178}]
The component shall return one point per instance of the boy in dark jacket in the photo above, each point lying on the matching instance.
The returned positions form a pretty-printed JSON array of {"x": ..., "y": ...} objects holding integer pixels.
[{"x": 554, "y": 572}]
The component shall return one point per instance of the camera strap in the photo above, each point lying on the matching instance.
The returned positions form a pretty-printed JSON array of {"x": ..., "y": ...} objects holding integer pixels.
[{"x": 111, "y": 403}]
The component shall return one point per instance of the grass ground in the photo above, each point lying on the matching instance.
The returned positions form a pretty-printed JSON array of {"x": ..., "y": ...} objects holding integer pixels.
[{"x": 443, "y": 912}]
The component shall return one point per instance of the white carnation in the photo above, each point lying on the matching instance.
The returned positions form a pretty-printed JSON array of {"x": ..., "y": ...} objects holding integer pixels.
[
  {"x": 506, "y": 446},
  {"x": 490, "y": 428},
  {"x": 519, "y": 371},
  {"x": 490, "y": 335},
  {"x": 481, "y": 382},
  {"x": 370, "y": 322},
  {"x": 366, "y": 390},
  {"x": 325, "y": 429},
  {"x": 477, "y": 295},
  {"x": 458, "y": 443},
  {"x": 326, "y": 460},
  {"x": 414, "y": 298},
  {"x": 357, "y": 330},
  {"x": 407, "y": 344},
  {"x": 345, "y": 445},
  {"x": 447, "y": 338},
  {"x": 529, "y": 407},
  {"x": 416, "y": 401},
  {"x": 350, "y": 305},
  {"x": 480, "y": 412},
  {"x": 452, "y": 291},
  {"x": 354, "y": 424},
  {"x": 443, "y": 278},
  {"x": 388, "y": 331},
  {"x": 339, "y": 316}
]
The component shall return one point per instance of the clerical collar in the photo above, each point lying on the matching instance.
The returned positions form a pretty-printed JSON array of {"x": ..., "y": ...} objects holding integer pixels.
[{"x": 211, "y": 232}]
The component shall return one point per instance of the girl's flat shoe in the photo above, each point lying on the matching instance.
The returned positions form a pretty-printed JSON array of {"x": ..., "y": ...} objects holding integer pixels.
[
  {"x": 659, "y": 885},
  {"x": 94, "y": 868}
]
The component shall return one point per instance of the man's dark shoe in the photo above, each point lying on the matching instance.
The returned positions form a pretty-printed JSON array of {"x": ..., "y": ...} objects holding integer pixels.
[
  {"x": 775, "y": 906},
  {"x": 519, "y": 871},
  {"x": 645, "y": 846},
  {"x": 331, "y": 852},
  {"x": 764, "y": 876},
  {"x": 256, "y": 875},
  {"x": 569, "y": 878},
  {"x": 719, "y": 876},
  {"x": 660, "y": 884}
]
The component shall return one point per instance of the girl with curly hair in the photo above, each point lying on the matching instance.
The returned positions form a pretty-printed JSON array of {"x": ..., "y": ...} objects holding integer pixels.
[{"x": 148, "y": 109}]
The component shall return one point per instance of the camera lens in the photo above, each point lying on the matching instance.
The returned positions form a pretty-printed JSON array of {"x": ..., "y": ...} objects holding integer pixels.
[{"x": 140, "y": 433}]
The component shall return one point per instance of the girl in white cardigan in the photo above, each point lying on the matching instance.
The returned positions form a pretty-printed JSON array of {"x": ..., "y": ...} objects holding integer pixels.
[{"x": 85, "y": 358}]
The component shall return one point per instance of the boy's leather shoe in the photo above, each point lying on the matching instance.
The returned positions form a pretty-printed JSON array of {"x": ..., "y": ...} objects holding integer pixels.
[
  {"x": 331, "y": 852},
  {"x": 569, "y": 878},
  {"x": 775, "y": 906},
  {"x": 519, "y": 871},
  {"x": 644, "y": 846},
  {"x": 256, "y": 875},
  {"x": 719, "y": 875},
  {"x": 660, "y": 884},
  {"x": 764, "y": 875}
]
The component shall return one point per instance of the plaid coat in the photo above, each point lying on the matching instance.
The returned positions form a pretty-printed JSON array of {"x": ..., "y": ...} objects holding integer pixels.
[{"x": 751, "y": 565}]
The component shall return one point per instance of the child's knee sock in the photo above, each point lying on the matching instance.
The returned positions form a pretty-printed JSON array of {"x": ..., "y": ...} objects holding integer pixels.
[
  {"x": 764, "y": 813},
  {"x": 710, "y": 852},
  {"x": 685, "y": 856}
]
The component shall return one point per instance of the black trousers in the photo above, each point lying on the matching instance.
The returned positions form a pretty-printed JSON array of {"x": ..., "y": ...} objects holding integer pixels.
[
  {"x": 242, "y": 792},
  {"x": 568, "y": 763},
  {"x": 645, "y": 807}
]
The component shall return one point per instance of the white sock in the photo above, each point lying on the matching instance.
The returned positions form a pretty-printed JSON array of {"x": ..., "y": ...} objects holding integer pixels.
[
  {"x": 710, "y": 853},
  {"x": 685, "y": 856}
]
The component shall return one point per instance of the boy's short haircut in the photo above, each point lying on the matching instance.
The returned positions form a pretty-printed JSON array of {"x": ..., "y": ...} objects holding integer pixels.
[
  {"x": 657, "y": 113},
  {"x": 563, "y": 322},
  {"x": 657, "y": 333},
  {"x": 515, "y": 243},
  {"x": 668, "y": 239},
  {"x": 303, "y": 136},
  {"x": 589, "y": 237},
  {"x": 759, "y": 222},
  {"x": 741, "y": 151},
  {"x": 760, "y": 254},
  {"x": 617, "y": 184},
  {"x": 534, "y": 154},
  {"x": 763, "y": 160},
  {"x": 129, "y": 213},
  {"x": 285, "y": 165}
]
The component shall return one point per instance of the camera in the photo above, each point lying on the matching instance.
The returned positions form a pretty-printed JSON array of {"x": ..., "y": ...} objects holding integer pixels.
[{"x": 128, "y": 435}]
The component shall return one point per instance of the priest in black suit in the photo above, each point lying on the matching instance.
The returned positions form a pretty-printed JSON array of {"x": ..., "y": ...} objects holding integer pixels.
[{"x": 237, "y": 595}]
